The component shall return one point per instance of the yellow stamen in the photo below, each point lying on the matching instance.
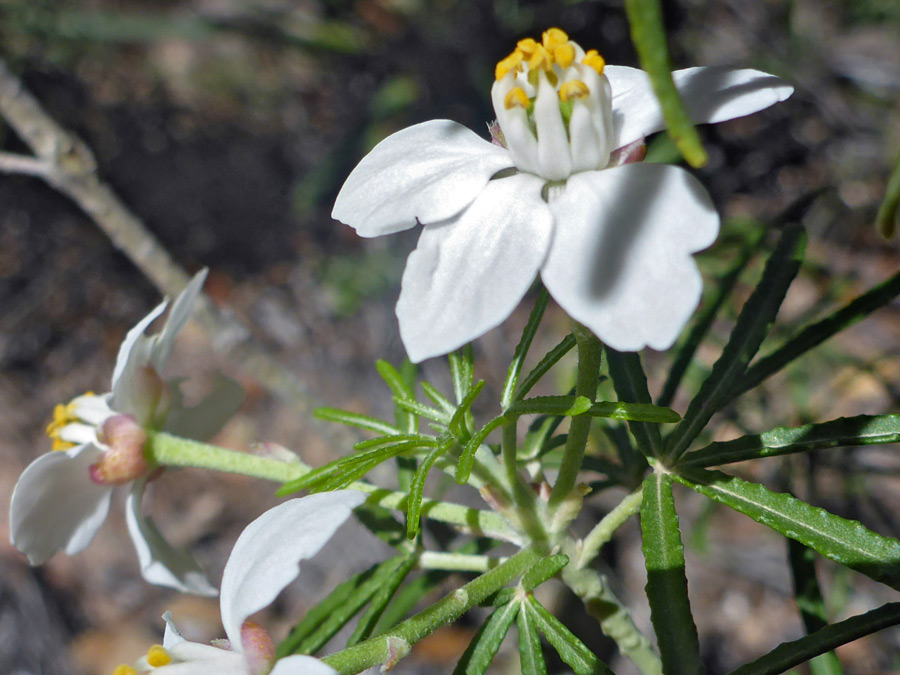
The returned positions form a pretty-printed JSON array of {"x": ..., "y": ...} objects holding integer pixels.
[
  {"x": 593, "y": 59},
  {"x": 59, "y": 444},
  {"x": 564, "y": 54},
  {"x": 540, "y": 59},
  {"x": 516, "y": 97},
  {"x": 527, "y": 46},
  {"x": 124, "y": 669},
  {"x": 573, "y": 89},
  {"x": 158, "y": 656},
  {"x": 509, "y": 64},
  {"x": 553, "y": 37}
]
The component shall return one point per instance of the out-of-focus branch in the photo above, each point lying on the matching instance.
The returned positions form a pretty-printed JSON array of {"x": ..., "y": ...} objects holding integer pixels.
[{"x": 68, "y": 165}]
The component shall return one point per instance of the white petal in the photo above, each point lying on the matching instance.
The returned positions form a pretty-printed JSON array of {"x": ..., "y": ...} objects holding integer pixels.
[
  {"x": 133, "y": 353},
  {"x": 55, "y": 506},
  {"x": 301, "y": 665},
  {"x": 554, "y": 155},
  {"x": 161, "y": 563},
  {"x": 178, "y": 316},
  {"x": 620, "y": 262},
  {"x": 266, "y": 556},
  {"x": 710, "y": 95},
  {"x": 517, "y": 132},
  {"x": 172, "y": 635},
  {"x": 428, "y": 172},
  {"x": 204, "y": 420},
  {"x": 469, "y": 273},
  {"x": 78, "y": 433},
  {"x": 194, "y": 658}
]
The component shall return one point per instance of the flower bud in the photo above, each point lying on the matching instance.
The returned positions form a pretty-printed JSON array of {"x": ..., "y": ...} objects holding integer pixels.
[
  {"x": 123, "y": 461},
  {"x": 259, "y": 648}
]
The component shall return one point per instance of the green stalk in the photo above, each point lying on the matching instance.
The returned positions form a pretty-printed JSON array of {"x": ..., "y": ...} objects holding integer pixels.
[
  {"x": 388, "y": 648},
  {"x": 589, "y": 350},
  {"x": 167, "y": 450},
  {"x": 607, "y": 527}
]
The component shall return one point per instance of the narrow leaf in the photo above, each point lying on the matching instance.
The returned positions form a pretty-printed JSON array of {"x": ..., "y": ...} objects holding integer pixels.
[
  {"x": 550, "y": 359},
  {"x": 634, "y": 412},
  {"x": 414, "y": 503},
  {"x": 567, "y": 406},
  {"x": 467, "y": 458},
  {"x": 847, "y": 542},
  {"x": 845, "y": 431},
  {"x": 630, "y": 384},
  {"x": 531, "y": 657},
  {"x": 355, "y": 420},
  {"x": 438, "y": 398},
  {"x": 649, "y": 37},
  {"x": 816, "y": 334},
  {"x": 462, "y": 371},
  {"x": 888, "y": 218},
  {"x": 752, "y": 326},
  {"x": 457, "y": 421},
  {"x": 790, "y": 654},
  {"x": 571, "y": 650},
  {"x": 667, "y": 591},
  {"x": 380, "y": 600},
  {"x": 543, "y": 570},
  {"x": 515, "y": 368},
  {"x": 811, "y": 604},
  {"x": 423, "y": 410},
  {"x": 394, "y": 379},
  {"x": 483, "y": 647}
]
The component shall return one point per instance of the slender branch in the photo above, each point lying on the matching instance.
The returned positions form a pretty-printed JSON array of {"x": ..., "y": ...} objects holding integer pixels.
[
  {"x": 167, "y": 450},
  {"x": 605, "y": 529},
  {"x": 68, "y": 165},
  {"x": 457, "y": 562},
  {"x": 23, "y": 165},
  {"x": 393, "y": 645}
]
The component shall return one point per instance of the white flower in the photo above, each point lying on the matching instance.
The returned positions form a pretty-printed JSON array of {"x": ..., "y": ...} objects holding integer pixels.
[
  {"x": 612, "y": 243},
  {"x": 62, "y": 498},
  {"x": 263, "y": 562}
]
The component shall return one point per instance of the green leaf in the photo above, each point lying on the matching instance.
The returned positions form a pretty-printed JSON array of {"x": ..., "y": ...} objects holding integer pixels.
[
  {"x": 355, "y": 420},
  {"x": 543, "y": 570},
  {"x": 457, "y": 421},
  {"x": 667, "y": 591},
  {"x": 467, "y": 457},
  {"x": 380, "y": 600},
  {"x": 847, "y": 542},
  {"x": 483, "y": 647},
  {"x": 571, "y": 650},
  {"x": 326, "y": 619},
  {"x": 568, "y": 406},
  {"x": 720, "y": 293},
  {"x": 752, "y": 326},
  {"x": 888, "y": 217},
  {"x": 410, "y": 405},
  {"x": 515, "y": 368},
  {"x": 649, "y": 37},
  {"x": 790, "y": 654},
  {"x": 634, "y": 412},
  {"x": 814, "y": 335},
  {"x": 630, "y": 384},
  {"x": 531, "y": 657},
  {"x": 394, "y": 380},
  {"x": 808, "y": 596},
  {"x": 550, "y": 359},
  {"x": 414, "y": 503},
  {"x": 392, "y": 439},
  {"x": 844, "y": 431},
  {"x": 438, "y": 398},
  {"x": 462, "y": 371}
]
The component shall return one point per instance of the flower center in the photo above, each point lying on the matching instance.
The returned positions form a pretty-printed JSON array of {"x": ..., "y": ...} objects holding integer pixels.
[
  {"x": 70, "y": 418},
  {"x": 553, "y": 107},
  {"x": 156, "y": 657}
]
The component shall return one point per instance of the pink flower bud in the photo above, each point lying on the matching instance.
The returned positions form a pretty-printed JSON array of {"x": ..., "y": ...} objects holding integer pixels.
[
  {"x": 124, "y": 459},
  {"x": 259, "y": 648}
]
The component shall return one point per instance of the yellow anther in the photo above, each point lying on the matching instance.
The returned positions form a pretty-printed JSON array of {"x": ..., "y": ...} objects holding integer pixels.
[
  {"x": 516, "y": 97},
  {"x": 60, "y": 444},
  {"x": 564, "y": 54},
  {"x": 553, "y": 37},
  {"x": 509, "y": 64},
  {"x": 593, "y": 59},
  {"x": 527, "y": 46},
  {"x": 540, "y": 59},
  {"x": 158, "y": 656},
  {"x": 124, "y": 669},
  {"x": 573, "y": 89}
]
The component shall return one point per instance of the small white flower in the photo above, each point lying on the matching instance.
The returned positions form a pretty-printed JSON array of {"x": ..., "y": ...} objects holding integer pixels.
[
  {"x": 263, "y": 562},
  {"x": 62, "y": 498},
  {"x": 612, "y": 241}
]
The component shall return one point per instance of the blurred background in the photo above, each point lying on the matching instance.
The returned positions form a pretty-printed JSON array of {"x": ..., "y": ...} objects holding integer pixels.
[{"x": 228, "y": 126}]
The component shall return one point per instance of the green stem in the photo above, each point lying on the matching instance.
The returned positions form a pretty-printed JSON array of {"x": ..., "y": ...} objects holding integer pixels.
[
  {"x": 457, "y": 562},
  {"x": 167, "y": 450},
  {"x": 605, "y": 529},
  {"x": 390, "y": 647},
  {"x": 589, "y": 350}
]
